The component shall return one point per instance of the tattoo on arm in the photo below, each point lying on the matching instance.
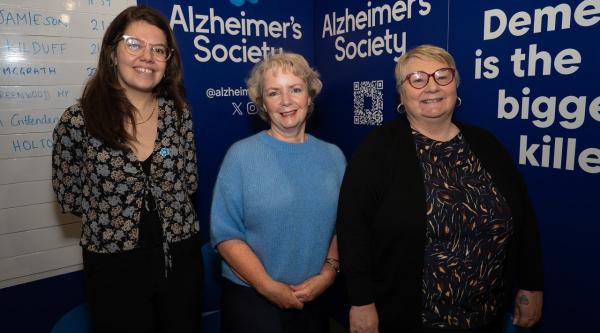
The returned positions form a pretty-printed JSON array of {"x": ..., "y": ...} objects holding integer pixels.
[{"x": 523, "y": 300}]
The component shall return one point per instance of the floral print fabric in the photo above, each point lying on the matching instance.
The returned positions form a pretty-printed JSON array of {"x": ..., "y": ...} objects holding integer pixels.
[
  {"x": 469, "y": 225},
  {"x": 107, "y": 186}
]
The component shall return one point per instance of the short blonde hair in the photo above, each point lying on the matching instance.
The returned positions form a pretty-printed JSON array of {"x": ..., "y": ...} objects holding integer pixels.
[
  {"x": 287, "y": 62},
  {"x": 426, "y": 52}
]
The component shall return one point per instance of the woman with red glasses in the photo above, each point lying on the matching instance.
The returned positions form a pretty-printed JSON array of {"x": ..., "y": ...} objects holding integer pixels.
[
  {"x": 435, "y": 227},
  {"x": 124, "y": 160}
]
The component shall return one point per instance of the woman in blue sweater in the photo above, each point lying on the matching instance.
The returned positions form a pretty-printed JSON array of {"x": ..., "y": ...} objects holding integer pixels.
[{"x": 274, "y": 208}]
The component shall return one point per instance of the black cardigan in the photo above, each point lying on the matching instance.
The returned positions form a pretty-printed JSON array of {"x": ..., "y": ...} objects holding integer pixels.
[{"x": 381, "y": 223}]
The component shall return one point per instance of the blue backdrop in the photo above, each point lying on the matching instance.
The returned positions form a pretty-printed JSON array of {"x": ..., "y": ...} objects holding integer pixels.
[
  {"x": 539, "y": 96},
  {"x": 528, "y": 74},
  {"x": 528, "y": 71}
]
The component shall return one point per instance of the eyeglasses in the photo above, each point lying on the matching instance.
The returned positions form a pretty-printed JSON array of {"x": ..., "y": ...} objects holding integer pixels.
[
  {"x": 418, "y": 80},
  {"x": 136, "y": 47}
]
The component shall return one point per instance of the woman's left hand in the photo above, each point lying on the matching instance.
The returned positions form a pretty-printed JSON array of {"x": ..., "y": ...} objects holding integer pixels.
[
  {"x": 314, "y": 286},
  {"x": 528, "y": 308}
]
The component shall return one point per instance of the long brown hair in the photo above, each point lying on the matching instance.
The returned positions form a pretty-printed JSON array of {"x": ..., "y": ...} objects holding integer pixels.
[{"x": 105, "y": 106}]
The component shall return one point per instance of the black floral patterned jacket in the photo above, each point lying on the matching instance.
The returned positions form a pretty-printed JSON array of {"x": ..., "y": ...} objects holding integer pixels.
[{"x": 107, "y": 186}]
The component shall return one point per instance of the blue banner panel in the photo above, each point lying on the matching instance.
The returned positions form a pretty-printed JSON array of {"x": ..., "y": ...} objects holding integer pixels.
[
  {"x": 357, "y": 44},
  {"x": 528, "y": 72}
]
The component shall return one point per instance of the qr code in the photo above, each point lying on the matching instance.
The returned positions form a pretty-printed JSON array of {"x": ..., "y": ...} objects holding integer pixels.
[{"x": 368, "y": 102}]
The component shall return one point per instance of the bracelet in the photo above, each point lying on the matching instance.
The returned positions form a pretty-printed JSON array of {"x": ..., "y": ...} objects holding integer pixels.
[{"x": 334, "y": 263}]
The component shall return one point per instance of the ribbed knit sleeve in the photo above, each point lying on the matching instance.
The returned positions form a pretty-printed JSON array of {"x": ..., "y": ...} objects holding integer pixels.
[{"x": 226, "y": 218}]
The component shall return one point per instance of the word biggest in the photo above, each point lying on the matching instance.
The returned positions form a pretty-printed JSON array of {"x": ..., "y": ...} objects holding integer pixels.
[{"x": 572, "y": 109}]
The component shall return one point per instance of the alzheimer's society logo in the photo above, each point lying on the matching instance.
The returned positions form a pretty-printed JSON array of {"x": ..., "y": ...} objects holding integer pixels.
[
  {"x": 368, "y": 102},
  {"x": 240, "y": 3}
]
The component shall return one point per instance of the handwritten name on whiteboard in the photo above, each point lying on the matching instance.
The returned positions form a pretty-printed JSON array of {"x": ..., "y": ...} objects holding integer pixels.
[
  {"x": 38, "y": 97},
  {"x": 29, "y": 121},
  {"x": 15, "y": 48},
  {"x": 25, "y": 145},
  {"x": 29, "y": 21},
  {"x": 45, "y": 73}
]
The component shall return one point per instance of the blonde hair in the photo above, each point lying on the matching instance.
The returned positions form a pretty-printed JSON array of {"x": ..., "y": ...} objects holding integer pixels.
[
  {"x": 426, "y": 52},
  {"x": 287, "y": 62}
]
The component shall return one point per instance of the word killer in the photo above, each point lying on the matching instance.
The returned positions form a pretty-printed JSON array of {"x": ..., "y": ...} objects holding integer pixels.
[{"x": 550, "y": 154}]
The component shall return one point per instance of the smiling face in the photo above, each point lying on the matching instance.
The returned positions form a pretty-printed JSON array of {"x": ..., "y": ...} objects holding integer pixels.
[
  {"x": 141, "y": 73},
  {"x": 286, "y": 101},
  {"x": 431, "y": 104}
]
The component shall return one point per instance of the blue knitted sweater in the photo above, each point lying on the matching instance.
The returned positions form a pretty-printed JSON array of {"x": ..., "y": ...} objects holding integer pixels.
[{"x": 281, "y": 199}]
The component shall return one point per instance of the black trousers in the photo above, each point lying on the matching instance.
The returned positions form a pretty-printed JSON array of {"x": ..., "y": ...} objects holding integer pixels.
[
  {"x": 243, "y": 310},
  {"x": 128, "y": 292}
]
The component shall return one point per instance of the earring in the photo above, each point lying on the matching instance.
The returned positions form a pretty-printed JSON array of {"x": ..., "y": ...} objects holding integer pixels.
[
  {"x": 400, "y": 108},
  {"x": 458, "y": 101}
]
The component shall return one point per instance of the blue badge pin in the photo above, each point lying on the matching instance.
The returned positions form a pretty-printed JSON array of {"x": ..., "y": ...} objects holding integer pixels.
[{"x": 164, "y": 152}]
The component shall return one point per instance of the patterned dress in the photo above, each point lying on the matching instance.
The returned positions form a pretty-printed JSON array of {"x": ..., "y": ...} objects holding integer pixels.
[{"x": 469, "y": 226}]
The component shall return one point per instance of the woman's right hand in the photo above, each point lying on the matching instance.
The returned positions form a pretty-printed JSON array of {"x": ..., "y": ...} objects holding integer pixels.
[
  {"x": 280, "y": 294},
  {"x": 364, "y": 319},
  {"x": 246, "y": 265}
]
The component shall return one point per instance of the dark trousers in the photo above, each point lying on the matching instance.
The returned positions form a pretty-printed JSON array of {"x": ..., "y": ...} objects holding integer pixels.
[
  {"x": 128, "y": 292},
  {"x": 243, "y": 310}
]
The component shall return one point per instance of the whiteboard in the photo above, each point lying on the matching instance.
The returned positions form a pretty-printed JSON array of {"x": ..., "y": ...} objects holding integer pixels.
[
  {"x": 37, "y": 97},
  {"x": 44, "y": 22},
  {"x": 82, "y": 6},
  {"x": 20, "y": 170},
  {"x": 48, "y": 51}
]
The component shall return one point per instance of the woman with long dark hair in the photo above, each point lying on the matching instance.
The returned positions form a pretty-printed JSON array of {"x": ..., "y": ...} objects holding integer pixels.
[{"x": 124, "y": 160}]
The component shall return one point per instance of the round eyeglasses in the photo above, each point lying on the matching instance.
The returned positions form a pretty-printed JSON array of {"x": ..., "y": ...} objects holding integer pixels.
[
  {"x": 420, "y": 79},
  {"x": 136, "y": 47}
]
